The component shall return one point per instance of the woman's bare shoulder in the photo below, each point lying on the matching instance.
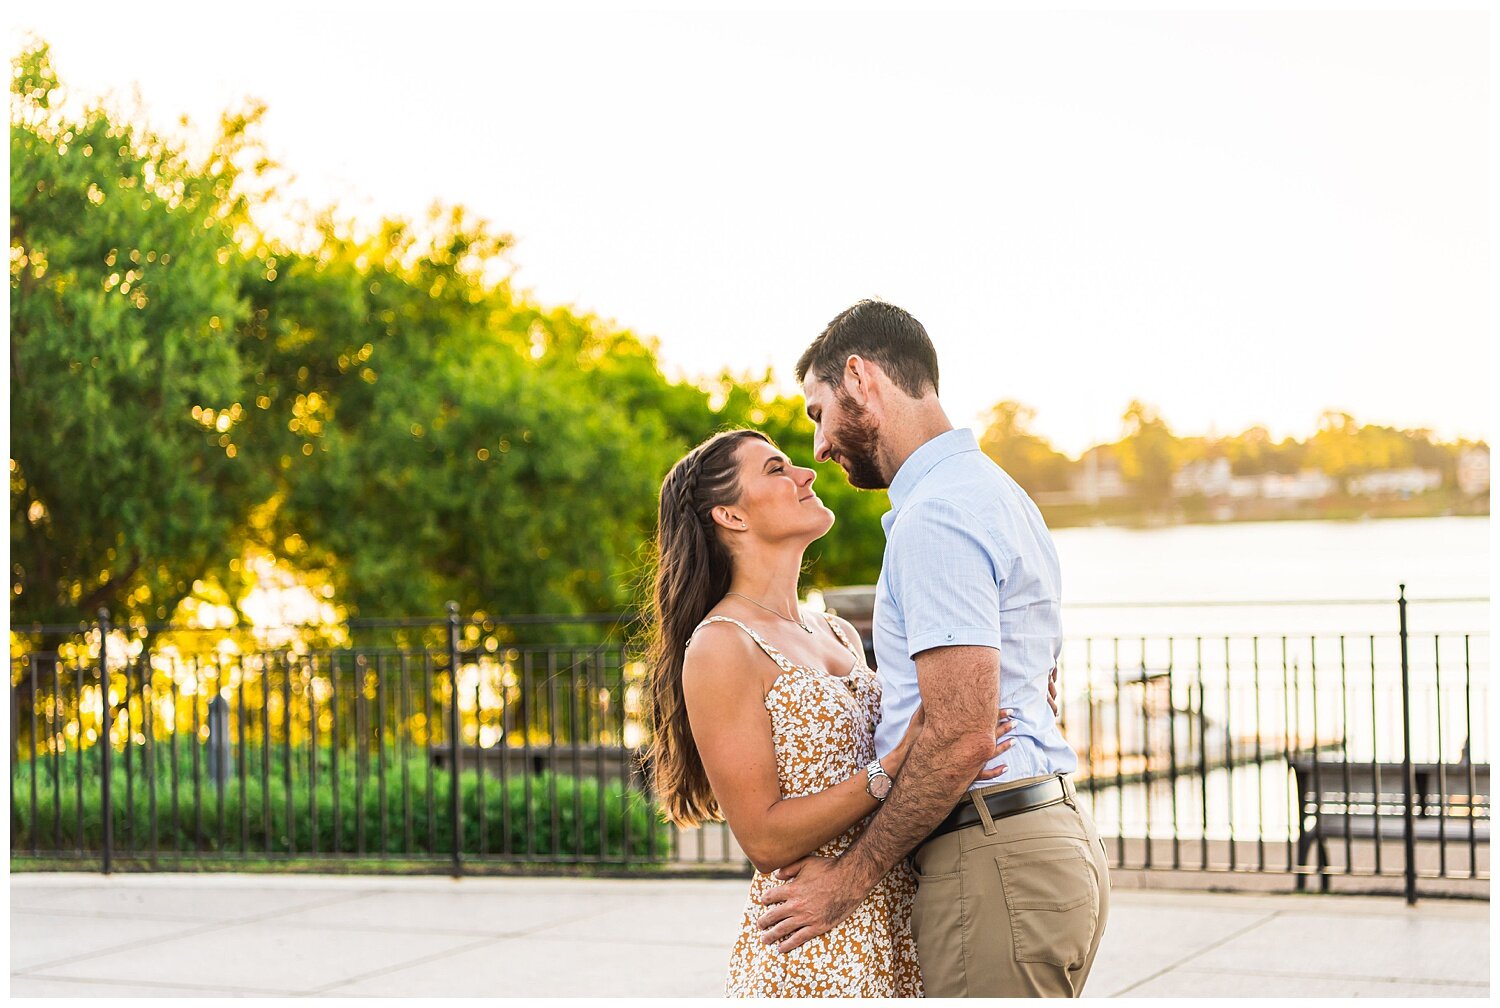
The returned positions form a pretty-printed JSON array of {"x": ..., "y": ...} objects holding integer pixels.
[{"x": 722, "y": 651}]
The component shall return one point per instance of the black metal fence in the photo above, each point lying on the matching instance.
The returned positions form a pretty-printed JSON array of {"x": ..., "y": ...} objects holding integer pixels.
[
  {"x": 1337, "y": 758},
  {"x": 488, "y": 745},
  {"x": 354, "y": 752}
]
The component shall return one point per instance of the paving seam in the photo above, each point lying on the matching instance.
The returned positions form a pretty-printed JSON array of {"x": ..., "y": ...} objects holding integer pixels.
[
  {"x": 422, "y": 960},
  {"x": 29, "y": 971},
  {"x": 407, "y": 964},
  {"x": 268, "y": 916},
  {"x": 634, "y": 941},
  {"x": 85, "y": 915},
  {"x": 220, "y": 991},
  {"x": 127, "y": 916},
  {"x": 455, "y": 932},
  {"x": 1190, "y": 957},
  {"x": 1426, "y": 981},
  {"x": 198, "y": 926}
]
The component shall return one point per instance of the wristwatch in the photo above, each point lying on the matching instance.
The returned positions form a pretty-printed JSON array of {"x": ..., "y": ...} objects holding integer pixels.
[{"x": 877, "y": 781}]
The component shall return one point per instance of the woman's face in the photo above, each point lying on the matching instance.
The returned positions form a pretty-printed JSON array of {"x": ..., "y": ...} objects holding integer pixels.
[{"x": 777, "y": 501}]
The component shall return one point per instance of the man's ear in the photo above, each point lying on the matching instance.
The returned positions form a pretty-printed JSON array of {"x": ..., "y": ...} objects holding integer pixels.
[
  {"x": 857, "y": 378},
  {"x": 862, "y": 379}
]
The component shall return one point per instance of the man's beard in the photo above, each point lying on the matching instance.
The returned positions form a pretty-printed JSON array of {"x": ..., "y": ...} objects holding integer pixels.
[{"x": 856, "y": 442}]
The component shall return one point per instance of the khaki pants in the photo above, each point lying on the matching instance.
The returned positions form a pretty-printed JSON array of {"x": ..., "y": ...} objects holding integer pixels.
[{"x": 1012, "y": 908}]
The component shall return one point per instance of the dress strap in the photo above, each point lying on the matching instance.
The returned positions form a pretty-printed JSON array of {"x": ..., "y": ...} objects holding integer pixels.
[
  {"x": 838, "y": 632},
  {"x": 765, "y": 645}
]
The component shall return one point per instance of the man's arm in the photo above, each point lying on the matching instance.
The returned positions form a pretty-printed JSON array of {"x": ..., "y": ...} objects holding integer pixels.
[{"x": 960, "y": 691}]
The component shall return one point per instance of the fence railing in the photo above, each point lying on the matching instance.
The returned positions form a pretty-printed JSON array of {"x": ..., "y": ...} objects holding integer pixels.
[
  {"x": 1315, "y": 756},
  {"x": 1321, "y": 756}
]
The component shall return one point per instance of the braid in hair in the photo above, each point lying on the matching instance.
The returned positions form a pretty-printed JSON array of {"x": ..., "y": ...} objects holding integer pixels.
[
  {"x": 687, "y": 490},
  {"x": 693, "y": 571}
]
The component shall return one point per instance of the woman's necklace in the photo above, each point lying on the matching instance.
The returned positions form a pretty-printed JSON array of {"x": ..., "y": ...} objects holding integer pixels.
[{"x": 773, "y": 612}]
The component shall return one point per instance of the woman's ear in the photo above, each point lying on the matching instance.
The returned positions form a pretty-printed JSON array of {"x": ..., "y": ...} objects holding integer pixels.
[{"x": 729, "y": 518}]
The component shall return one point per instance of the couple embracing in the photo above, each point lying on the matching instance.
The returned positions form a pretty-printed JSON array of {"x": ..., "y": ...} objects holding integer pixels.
[{"x": 915, "y": 832}]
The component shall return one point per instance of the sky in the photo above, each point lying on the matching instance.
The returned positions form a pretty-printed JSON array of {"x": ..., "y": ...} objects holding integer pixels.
[{"x": 1238, "y": 218}]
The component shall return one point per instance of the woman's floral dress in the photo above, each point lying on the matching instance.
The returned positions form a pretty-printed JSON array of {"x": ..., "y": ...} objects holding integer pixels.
[{"x": 823, "y": 726}]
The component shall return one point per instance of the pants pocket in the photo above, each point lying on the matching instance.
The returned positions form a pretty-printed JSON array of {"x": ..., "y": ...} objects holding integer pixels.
[
  {"x": 937, "y": 924},
  {"x": 1052, "y": 897}
]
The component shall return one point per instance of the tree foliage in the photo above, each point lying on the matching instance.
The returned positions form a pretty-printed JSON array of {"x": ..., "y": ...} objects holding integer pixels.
[
  {"x": 125, "y": 483},
  {"x": 1029, "y": 459},
  {"x": 377, "y": 409},
  {"x": 1147, "y": 453},
  {"x": 1342, "y": 447},
  {"x": 426, "y": 449}
]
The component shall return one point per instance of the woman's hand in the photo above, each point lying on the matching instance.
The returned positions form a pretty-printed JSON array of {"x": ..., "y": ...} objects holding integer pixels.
[
  {"x": 893, "y": 762},
  {"x": 897, "y": 756},
  {"x": 1003, "y": 725}
]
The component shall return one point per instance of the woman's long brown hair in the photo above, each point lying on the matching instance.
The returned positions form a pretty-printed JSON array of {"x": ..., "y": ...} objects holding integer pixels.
[{"x": 692, "y": 574}]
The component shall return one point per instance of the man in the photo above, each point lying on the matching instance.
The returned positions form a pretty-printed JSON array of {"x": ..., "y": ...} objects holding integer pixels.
[{"x": 1013, "y": 888}]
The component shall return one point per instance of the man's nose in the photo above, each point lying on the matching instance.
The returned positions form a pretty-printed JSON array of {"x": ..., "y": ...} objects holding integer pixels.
[{"x": 820, "y": 447}]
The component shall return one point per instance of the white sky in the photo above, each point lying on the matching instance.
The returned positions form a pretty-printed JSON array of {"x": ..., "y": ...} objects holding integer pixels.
[{"x": 1237, "y": 217}]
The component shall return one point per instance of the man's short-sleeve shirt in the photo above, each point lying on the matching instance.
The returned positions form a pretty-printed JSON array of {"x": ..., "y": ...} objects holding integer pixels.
[{"x": 969, "y": 561}]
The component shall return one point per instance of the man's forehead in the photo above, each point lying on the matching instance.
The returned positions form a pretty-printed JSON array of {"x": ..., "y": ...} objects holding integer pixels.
[{"x": 814, "y": 389}]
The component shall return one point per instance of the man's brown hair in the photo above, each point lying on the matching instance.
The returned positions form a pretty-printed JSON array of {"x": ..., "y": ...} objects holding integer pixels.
[{"x": 882, "y": 333}]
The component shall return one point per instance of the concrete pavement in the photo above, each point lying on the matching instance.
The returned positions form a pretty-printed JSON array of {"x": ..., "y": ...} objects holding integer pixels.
[{"x": 268, "y": 935}]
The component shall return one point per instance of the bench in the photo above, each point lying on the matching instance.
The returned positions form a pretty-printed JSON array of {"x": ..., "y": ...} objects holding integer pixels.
[{"x": 1367, "y": 801}]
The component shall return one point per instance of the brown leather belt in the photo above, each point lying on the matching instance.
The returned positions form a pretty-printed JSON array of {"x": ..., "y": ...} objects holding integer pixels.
[{"x": 1006, "y": 803}]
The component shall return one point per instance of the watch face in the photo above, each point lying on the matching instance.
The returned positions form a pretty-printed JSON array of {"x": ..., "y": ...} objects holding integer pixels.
[{"x": 880, "y": 787}]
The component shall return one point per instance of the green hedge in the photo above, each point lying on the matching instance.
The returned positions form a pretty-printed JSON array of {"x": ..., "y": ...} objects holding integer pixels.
[{"x": 519, "y": 814}]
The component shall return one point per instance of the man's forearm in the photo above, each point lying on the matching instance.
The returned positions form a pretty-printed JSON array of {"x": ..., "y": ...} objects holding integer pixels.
[{"x": 926, "y": 790}]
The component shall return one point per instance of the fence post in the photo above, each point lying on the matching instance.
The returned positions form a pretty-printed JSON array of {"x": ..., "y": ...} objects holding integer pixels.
[
  {"x": 106, "y": 802},
  {"x": 1406, "y": 767},
  {"x": 219, "y": 755},
  {"x": 453, "y": 746}
]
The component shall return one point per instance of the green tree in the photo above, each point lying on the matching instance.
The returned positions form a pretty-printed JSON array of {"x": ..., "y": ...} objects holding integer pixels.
[
  {"x": 1147, "y": 455},
  {"x": 379, "y": 410},
  {"x": 1029, "y": 459},
  {"x": 439, "y": 438},
  {"x": 125, "y": 382},
  {"x": 1343, "y": 448},
  {"x": 1254, "y": 453}
]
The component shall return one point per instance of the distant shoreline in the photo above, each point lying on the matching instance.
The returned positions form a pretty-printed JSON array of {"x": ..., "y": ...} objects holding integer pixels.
[{"x": 1201, "y": 512}]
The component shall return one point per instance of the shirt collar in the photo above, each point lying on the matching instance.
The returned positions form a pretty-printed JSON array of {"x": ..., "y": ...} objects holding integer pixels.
[{"x": 920, "y": 462}]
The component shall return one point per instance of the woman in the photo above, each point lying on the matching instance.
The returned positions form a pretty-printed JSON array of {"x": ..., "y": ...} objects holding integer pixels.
[{"x": 764, "y": 715}]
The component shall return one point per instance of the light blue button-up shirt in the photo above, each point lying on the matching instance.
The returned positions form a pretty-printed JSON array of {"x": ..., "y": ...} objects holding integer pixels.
[{"x": 968, "y": 560}]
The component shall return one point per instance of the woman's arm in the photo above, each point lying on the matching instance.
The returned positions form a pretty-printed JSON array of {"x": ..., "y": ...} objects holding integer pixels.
[{"x": 732, "y": 729}]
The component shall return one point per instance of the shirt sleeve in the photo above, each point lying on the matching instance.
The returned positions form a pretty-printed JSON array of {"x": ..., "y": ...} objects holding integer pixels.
[{"x": 946, "y": 578}]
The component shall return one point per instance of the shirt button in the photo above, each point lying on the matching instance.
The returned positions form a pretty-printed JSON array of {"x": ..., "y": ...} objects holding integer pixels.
[{"x": 950, "y": 636}]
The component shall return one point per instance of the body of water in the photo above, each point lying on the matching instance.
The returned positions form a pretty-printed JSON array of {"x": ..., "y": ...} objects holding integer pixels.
[
  {"x": 1297, "y": 650},
  {"x": 1109, "y": 573}
]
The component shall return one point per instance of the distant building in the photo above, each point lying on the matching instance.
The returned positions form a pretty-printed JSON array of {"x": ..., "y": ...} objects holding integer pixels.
[
  {"x": 1309, "y": 484},
  {"x": 1204, "y": 477},
  {"x": 1244, "y": 487},
  {"x": 1395, "y": 482},
  {"x": 1099, "y": 479},
  {"x": 1474, "y": 471}
]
